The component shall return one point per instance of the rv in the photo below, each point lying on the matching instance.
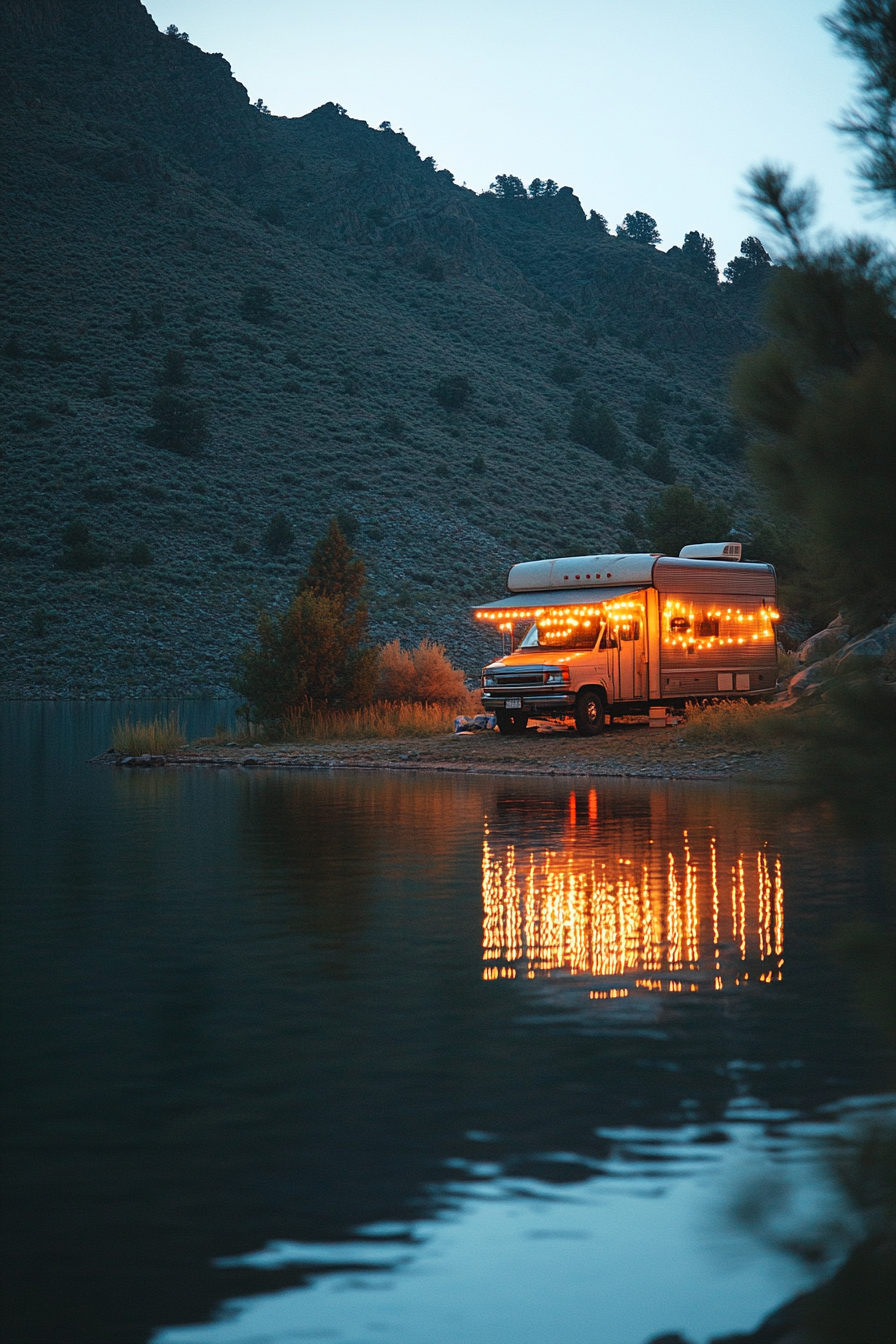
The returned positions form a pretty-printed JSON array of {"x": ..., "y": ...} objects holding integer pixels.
[{"x": 610, "y": 635}]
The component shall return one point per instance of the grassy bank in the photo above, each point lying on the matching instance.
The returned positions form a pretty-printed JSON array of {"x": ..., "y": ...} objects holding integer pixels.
[{"x": 151, "y": 737}]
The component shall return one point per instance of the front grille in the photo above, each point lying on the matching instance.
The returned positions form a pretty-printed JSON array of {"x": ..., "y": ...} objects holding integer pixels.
[{"x": 519, "y": 678}]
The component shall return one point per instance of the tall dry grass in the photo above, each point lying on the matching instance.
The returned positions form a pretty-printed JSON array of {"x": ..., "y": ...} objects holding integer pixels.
[
  {"x": 151, "y": 737},
  {"x": 385, "y": 719},
  {"x": 729, "y": 723}
]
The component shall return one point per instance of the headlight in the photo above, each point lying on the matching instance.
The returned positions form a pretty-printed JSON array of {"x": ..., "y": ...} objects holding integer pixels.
[{"x": 557, "y": 676}]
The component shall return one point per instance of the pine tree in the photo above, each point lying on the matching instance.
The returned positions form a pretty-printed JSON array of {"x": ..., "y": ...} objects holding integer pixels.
[{"x": 313, "y": 655}]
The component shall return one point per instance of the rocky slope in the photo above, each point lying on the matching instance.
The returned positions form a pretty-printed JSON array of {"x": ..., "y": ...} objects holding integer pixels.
[{"x": 316, "y": 282}]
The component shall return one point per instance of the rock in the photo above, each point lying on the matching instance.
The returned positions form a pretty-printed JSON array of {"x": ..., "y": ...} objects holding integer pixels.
[
  {"x": 826, "y": 642},
  {"x": 811, "y": 678},
  {"x": 876, "y": 646}
]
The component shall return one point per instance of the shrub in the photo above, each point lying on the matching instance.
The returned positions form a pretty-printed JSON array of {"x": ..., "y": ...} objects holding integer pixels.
[
  {"x": 279, "y": 534},
  {"x": 257, "y": 305},
  {"x": 79, "y": 550},
  {"x": 34, "y": 420},
  {"x": 148, "y": 736},
  {"x": 659, "y": 465},
  {"x": 138, "y": 554},
  {"x": 348, "y": 523},
  {"x": 593, "y": 427},
  {"x": 422, "y": 675},
  {"x": 37, "y": 625},
  {"x": 649, "y": 424},
  {"x": 729, "y": 723},
  {"x": 136, "y": 323},
  {"x": 431, "y": 268},
  {"x": 392, "y": 425},
  {"x": 173, "y": 372},
  {"x": 453, "y": 392},
  {"x": 241, "y": 547},
  {"x": 478, "y": 464},
  {"x": 565, "y": 372},
  {"x": 55, "y": 353},
  {"x": 13, "y": 348},
  {"x": 180, "y": 425},
  {"x": 104, "y": 386}
]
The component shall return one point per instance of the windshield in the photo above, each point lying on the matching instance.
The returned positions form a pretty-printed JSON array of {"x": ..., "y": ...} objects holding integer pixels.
[{"x": 553, "y": 634}]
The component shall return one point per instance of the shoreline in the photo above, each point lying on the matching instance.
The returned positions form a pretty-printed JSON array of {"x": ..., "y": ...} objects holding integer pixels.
[{"x": 623, "y": 751}]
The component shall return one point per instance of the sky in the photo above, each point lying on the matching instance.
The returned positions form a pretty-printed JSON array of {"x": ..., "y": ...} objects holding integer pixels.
[{"x": 659, "y": 105}]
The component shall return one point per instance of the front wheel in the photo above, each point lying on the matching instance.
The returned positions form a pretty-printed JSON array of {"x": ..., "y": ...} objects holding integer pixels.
[
  {"x": 590, "y": 714},
  {"x": 511, "y": 723}
]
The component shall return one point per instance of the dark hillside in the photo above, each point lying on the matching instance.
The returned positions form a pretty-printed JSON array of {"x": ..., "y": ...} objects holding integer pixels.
[{"x": 307, "y": 285}]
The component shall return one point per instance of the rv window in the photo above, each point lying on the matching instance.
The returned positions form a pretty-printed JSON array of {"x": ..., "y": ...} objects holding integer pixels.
[
  {"x": 679, "y": 624},
  {"x": 607, "y": 639},
  {"x": 708, "y": 629},
  {"x": 630, "y": 630},
  {"x": 564, "y": 636}
]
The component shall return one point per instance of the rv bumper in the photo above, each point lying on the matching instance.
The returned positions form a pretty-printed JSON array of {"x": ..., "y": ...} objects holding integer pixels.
[{"x": 494, "y": 699}]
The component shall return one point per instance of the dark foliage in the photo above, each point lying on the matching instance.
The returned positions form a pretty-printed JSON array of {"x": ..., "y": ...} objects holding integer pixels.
[
  {"x": 565, "y": 372},
  {"x": 79, "y": 549},
  {"x": 751, "y": 268},
  {"x": 349, "y": 525},
  {"x": 313, "y": 654},
  {"x": 173, "y": 372},
  {"x": 700, "y": 254},
  {"x": 138, "y": 554},
  {"x": 592, "y": 425},
  {"x": 538, "y": 188},
  {"x": 598, "y": 221},
  {"x": 659, "y": 465},
  {"x": 640, "y": 228},
  {"x": 180, "y": 425},
  {"x": 453, "y": 392},
  {"x": 677, "y": 517},
  {"x": 822, "y": 393},
  {"x": 867, "y": 30},
  {"x": 257, "y": 305},
  {"x": 509, "y": 188},
  {"x": 649, "y": 424},
  {"x": 279, "y": 534}
]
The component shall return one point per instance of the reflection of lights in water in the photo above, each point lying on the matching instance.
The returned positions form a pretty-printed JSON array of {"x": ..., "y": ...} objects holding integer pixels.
[{"x": 549, "y": 910}]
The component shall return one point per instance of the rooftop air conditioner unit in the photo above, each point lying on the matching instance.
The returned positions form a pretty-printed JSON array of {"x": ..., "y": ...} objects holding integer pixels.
[{"x": 712, "y": 550}]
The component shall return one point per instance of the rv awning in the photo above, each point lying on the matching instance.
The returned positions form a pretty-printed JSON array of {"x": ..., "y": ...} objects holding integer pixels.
[{"x": 528, "y": 603}]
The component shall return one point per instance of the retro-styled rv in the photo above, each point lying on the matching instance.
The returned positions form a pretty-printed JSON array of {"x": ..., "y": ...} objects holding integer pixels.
[{"x": 621, "y": 634}]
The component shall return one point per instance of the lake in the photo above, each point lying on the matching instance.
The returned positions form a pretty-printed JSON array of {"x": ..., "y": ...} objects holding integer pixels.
[{"x": 357, "y": 1055}]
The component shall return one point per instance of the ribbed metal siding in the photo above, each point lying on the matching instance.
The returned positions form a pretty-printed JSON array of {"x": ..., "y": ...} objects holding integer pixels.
[{"x": 724, "y": 579}]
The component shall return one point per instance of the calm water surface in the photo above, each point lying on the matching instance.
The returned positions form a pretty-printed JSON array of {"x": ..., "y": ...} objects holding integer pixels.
[{"x": 353, "y": 1056}]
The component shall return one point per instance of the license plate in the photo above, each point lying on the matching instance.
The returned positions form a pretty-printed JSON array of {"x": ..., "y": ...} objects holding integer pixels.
[{"x": 513, "y": 704}]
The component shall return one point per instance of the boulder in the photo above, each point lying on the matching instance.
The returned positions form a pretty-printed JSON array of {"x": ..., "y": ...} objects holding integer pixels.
[
  {"x": 811, "y": 678},
  {"x": 826, "y": 642},
  {"x": 876, "y": 646}
]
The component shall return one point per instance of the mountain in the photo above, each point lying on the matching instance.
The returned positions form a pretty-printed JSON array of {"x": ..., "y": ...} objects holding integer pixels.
[{"x": 362, "y": 336}]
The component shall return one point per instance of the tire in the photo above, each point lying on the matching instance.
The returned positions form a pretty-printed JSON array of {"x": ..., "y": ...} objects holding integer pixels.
[
  {"x": 511, "y": 723},
  {"x": 591, "y": 714}
]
